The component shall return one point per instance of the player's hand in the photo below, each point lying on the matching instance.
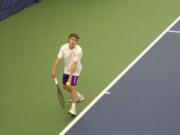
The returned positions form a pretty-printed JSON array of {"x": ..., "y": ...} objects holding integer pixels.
[{"x": 68, "y": 83}]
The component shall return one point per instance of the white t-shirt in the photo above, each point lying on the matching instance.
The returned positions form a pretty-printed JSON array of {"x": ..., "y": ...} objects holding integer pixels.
[{"x": 70, "y": 56}]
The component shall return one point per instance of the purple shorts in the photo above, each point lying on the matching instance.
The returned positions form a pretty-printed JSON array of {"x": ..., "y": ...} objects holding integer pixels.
[{"x": 73, "y": 80}]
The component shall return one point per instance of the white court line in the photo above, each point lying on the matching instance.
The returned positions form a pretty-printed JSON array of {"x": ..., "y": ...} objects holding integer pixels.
[
  {"x": 118, "y": 77},
  {"x": 107, "y": 93},
  {"x": 174, "y": 31}
]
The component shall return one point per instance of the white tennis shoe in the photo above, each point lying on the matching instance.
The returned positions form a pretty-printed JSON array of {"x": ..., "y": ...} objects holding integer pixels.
[{"x": 72, "y": 112}]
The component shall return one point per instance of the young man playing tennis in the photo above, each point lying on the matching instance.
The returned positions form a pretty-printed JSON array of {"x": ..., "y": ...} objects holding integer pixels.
[{"x": 71, "y": 53}]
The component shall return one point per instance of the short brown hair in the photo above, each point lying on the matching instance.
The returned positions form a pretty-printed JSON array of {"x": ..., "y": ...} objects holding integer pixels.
[{"x": 73, "y": 35}]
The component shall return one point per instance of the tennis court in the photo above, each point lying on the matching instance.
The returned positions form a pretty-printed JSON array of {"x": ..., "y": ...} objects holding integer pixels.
[
  {"x": 126, "y": 91},
  {"x": 143, "y": 99}
]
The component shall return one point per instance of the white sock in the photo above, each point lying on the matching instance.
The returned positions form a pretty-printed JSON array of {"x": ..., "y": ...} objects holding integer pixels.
[{"x": 73, "y": 106}]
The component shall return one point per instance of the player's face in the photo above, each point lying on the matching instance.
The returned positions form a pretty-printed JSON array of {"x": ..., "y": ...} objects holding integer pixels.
[{"x": 72, "y": 42}]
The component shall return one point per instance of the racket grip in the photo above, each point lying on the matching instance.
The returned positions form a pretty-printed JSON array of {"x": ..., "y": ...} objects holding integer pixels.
[{"x": 56, "y": 80}]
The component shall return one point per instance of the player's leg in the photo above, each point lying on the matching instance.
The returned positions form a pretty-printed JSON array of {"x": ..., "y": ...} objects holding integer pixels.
[
  {"x": 74, "y": 96},
  {"x": 74, "y": 99},
  {"x": 73, "y": 83},
  {"x": 73, "y": 92},
  {"x": 66, "y": 88},
  {"x": 80, "y": 97}
]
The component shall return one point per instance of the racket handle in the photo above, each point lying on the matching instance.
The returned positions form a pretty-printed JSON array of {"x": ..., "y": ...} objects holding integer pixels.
[{"x": 56, "y": 80}]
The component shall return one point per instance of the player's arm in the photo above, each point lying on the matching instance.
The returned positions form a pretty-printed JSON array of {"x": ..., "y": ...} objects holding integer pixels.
[
  {"x": 71, "y": 71},
  {"x": 54, "y": 68},
  {"x": 74, "y": 65},
  {"x": 56, "y": 63}
]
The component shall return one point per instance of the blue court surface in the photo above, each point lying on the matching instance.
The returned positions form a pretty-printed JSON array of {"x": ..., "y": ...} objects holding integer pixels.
[{"x": 144, "y": 99}]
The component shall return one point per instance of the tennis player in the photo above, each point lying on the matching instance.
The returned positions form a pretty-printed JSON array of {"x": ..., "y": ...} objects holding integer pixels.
[{"x": 72, "y": 54}]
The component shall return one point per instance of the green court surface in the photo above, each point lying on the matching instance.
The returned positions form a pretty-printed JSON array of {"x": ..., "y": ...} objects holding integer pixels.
[{"x": 113, "y": 33}]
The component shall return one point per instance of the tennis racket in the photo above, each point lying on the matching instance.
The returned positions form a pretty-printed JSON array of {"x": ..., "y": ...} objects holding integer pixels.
[{"x": 59, "y": 94}]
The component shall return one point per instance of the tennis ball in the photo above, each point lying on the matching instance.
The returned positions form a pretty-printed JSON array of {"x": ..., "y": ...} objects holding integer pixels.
[{"x": 68, "y": 84}]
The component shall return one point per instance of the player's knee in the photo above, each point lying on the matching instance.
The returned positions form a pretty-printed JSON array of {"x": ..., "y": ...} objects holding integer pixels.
[
  {"x": 64, "y": 87},
  {"x": 67, "y": 87}
]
